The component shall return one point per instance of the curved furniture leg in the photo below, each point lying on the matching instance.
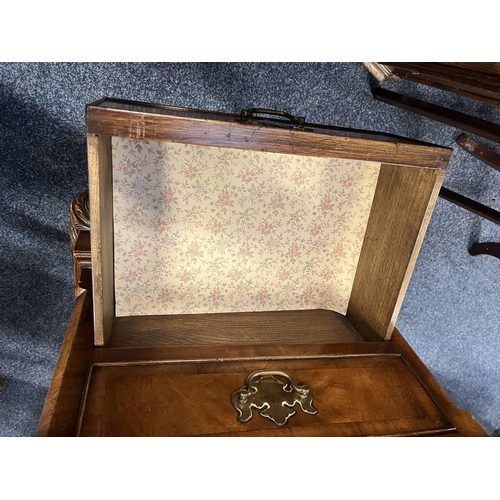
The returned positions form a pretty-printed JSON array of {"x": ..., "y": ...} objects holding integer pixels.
[{"x": 489, "y": 248}]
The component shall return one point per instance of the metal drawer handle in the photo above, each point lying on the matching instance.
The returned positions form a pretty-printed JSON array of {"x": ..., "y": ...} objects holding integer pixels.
[
  {"x": 274, "y": 398},
  {"x": 248, "y": 113}
]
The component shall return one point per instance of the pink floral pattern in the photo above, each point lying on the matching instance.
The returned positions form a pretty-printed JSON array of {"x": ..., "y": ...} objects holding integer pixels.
[{"x": 201, "y": 229}]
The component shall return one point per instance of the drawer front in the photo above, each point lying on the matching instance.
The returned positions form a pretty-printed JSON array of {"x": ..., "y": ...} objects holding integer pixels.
[
  {"x": 358, "y": 388},
  {"x": 353, "y": 396}
]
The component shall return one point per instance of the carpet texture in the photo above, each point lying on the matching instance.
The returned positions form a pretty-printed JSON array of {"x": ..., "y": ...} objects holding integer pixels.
[{"x": 451, "y": 313}]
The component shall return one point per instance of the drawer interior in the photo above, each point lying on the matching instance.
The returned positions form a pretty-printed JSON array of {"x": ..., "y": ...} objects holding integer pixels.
[
  {"x": 221, "y": 246},
  {"x": 274, "y": 327},
  {"x": 200, "y": 213},
  {"x": 203, "y": 229}
]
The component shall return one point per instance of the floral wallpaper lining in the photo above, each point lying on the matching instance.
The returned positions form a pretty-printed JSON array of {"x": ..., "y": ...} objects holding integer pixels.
[{"x": 201, "y": 229}]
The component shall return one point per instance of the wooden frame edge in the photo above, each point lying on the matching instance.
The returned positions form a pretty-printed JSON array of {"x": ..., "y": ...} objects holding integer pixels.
[
  {"x": 63, "y": 400},
  {"x": 376, "y": 295},
  {"x": 380, "y": 71},
  {"x": 233, "y": 134},
  {"x": 463, "y": 421},
  {"x": 101, "y": 234}
]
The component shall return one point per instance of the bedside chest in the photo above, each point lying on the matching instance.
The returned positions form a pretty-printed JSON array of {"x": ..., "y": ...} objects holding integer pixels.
[{"x": 243, "y": 277}]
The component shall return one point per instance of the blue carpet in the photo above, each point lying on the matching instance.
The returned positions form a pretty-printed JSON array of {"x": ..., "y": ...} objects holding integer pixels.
[{"x": 451, "y": 314}]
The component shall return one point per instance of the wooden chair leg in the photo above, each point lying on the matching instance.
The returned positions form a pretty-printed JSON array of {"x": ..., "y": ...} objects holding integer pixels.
[
  {"x": 462, "y": 121},
  {"x": 468, "y": 123},
  {"x": 489, "y": 248},
  {"x": 479, "y": 151},
  {"x": 470, "y": 205},
  {"x": 492, "y": 249}
]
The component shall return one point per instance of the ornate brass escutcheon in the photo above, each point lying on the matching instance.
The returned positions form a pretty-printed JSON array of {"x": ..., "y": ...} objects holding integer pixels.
[{"x": 274, "y": 398}]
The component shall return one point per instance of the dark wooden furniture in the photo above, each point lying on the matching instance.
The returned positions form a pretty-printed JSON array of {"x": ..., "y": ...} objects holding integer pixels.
[
  {"x": 492, "y": 159},
  {"x": 480, "y": 81},
  {"x": 174, "y": 375},
  {"x": 457, "y": 119}
]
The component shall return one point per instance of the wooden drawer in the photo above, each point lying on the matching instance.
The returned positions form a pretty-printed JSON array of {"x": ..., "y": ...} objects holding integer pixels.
[
  {"x": 356, "y": 396},
  {"x": 201, "y": 212},
  {"x": 222, "y": 245},
  {"x": 359, "y": 389}
]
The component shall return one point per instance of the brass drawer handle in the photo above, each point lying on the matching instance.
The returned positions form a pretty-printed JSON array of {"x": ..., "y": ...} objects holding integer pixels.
[{"x": 274, "y": 398}]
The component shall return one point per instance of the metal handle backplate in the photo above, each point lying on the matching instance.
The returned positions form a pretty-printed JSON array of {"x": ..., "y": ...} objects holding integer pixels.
[{"x": 274, "y": 398}]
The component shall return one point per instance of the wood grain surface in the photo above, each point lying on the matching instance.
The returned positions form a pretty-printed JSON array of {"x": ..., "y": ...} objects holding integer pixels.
[
  {"x": 101, "y": 234},
  {"x": 401, "y": 210},
  {"x": 217, "y": 116},
  {"x": 282, "y": 327},
  {"x": 62, "y": 403},
  {"x": 478, "y": 80},
  {"x": 195, "y": 128},
  {"x": 193, "y": 399},
  {"x": 121, "y": 356},
  {"x": 462, "y": 420},
  {"x": 365, "y": 388},
  {"x": 400, "y": 427}
]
